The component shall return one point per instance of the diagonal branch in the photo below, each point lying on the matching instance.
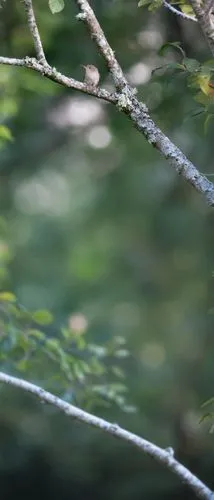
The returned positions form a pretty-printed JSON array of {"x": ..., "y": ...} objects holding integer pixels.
[
  {"x": 138, "y": 112},
  {"x": 124, "y": 99},
  {"x": 34, "y": 30},
  {"x": 178, "y": 13},
  {"x": 163, "y": 456},
  {"x": 204, "y": 19},
  {"x": 139, "y": 115}
]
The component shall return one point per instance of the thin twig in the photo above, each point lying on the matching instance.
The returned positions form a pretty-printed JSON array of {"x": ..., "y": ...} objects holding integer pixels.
[
  {"x": 179, "y": 13},
  {"x": 34, "y": 31},
  {"x": 163, "y": 456}
]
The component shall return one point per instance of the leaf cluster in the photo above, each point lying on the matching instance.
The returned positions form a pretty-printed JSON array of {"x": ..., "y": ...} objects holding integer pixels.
[
  {"x": 60, "y": 358},
  {"x": 199, "y": 78}
]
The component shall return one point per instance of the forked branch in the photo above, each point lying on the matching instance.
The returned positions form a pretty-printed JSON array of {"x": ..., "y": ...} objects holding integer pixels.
[{"x": 124, "y": 97}]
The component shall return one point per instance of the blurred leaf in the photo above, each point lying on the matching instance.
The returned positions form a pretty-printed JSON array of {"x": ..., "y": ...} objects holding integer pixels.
[
  {"x": 53, "y": 344},
  {"x": 122, "y": 353},
  {"x": 35, "y": 333},
  {"x": 7, "y": 297},
  {"x": 117, "y": 371},
  {"x": 119, "y": 340},
  {"x": 191, "y": 65},
  {"x": 100, "y": 351},
  {"x": 175, "y": 45},
  {"x": 152, "y": 4},
  {"x": 42, "y": 317},
  {"x": 5, "y": 133},
  {"x": 22, "y": 365},
  {"x": 96, "y": 367}
]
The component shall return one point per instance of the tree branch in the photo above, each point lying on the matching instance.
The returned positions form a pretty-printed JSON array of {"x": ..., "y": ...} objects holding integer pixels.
[
  {"x": 54, "y": 75},
  {"x": 179, "y": 13},
  {"x": 138, "y": 112},
  {"x": 34, "y": 31},
  {"x": 204, "y": 19},
  {"x": 125, "y": 100},
  {"x": 165, "y": 457},
  {"x": 139, "y": 115},
  {"x": 87, "y": 15}
]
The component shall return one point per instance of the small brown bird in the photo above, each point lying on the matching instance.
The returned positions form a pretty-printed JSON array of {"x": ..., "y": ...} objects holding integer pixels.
[{"x": 92, "y": 75}]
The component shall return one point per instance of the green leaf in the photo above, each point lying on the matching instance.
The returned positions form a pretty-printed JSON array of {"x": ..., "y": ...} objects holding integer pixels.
[
  {"x": 187, "y": 9},
  {"x": 191, "y": 65},
  {"x": 42, "y": 317},
  {"x": 98, "y": 350},
  {"x": 152, "y": 4},
  {"x": 56, "y": 6},
  {"x": 7, "y": 297},
  {"x": 22, "y": 365},
  {"x": 175, "y": 45},
  {"x": 142, "y": 3},
  {"x": 5, "y": 133},
  {"x": 53, "y": 344},
  {"x": 210, "y": 63},
  {"x": 35, "y": 333}
]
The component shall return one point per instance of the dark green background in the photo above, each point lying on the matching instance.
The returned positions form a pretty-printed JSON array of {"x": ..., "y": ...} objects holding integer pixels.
[{"x": 113, "y": 233}]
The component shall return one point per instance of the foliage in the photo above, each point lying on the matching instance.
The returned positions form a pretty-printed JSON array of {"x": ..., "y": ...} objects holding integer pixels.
[
  {"x": 84, "y": 372},
  {"x": 199, "y": 79},
  {"x": 155, "y": 4}
]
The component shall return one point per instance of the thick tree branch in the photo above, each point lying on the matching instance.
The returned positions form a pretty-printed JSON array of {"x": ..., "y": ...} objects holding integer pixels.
[
  {"x": 138, "y": 112},
  {"x": 125, "y": 100},
  {"x": 205, "y": 21},
  {"x": 178, "y": 13},
  {"x": 139, "y": 115},
  {"x": 34, "y": 31},
  {"x": 165, "y": 457}
]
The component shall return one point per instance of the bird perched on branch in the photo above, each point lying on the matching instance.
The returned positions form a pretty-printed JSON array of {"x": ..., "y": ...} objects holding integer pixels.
[{"x": 92, "y": 75}]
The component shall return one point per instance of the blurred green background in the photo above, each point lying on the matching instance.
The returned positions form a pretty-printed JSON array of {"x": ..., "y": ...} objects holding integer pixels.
[{"x": 102, "y": 227}]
